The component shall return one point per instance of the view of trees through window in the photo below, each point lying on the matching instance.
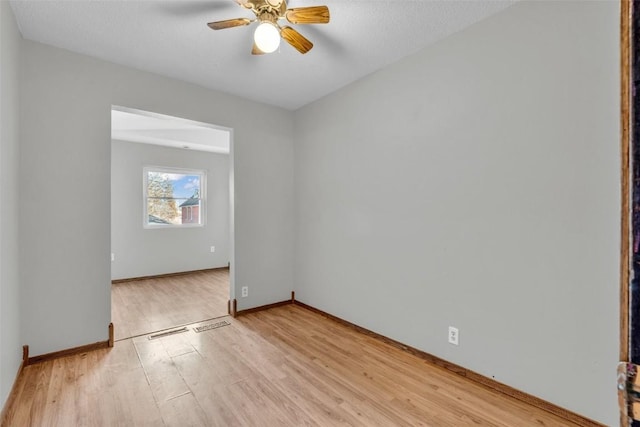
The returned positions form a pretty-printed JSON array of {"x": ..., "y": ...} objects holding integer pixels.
[{"x": 173, "y": 197}]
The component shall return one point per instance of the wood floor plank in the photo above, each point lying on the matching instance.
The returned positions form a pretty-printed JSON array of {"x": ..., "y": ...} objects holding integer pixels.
[
  {"x": 28, "y": 382},
  {"x": 127, "y": 398},
  {"x": 39, "y": 401},
  {"x": 148, "y": 305},
  {"x": 162, "y": 374},
  {"x": 286, "y": 366},
  {"x": 208, "y": 390},
  {"x": 315, "y": 397},
  {"x": 272, "y": 396},
  {"x": 183, "y": 411}
]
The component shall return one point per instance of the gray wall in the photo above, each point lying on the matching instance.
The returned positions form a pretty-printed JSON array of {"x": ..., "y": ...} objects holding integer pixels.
[
  {"x": 66, "y": 102},
  {"x": 476, "y": 184},
  {"x": 10, "y": 342},
  {"x": 145, "y": 252}
]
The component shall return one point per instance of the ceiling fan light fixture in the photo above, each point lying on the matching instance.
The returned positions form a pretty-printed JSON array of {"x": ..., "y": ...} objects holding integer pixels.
[{"x": 267, "y": 37}]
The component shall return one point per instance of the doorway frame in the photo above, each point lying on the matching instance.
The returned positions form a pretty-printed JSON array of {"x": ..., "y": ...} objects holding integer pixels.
[
  {"x": 625, "y": 144},
  {"x": 231, "y": 185}
]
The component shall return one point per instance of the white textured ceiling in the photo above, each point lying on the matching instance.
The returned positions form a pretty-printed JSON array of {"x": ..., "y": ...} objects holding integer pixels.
[{"x": 171, "y": 38}]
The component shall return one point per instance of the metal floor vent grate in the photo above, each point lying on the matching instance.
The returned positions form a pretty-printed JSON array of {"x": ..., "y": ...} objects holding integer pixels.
[
  {"x": 171, "y": 332},
  {"x": 211, "y": 326}
]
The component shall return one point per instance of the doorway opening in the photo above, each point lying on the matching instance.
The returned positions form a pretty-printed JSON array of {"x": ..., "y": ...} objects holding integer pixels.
[{"x": 171, "y": 221}]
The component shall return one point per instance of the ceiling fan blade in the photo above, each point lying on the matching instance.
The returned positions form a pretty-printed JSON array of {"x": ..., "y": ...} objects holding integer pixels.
[
  {"x": 296, "y": 40},
  {"x": 229, "y": 23},
  {"x": 308, "y": 15},
  {"x": 247, "y": 4},
  {"x": 256, "y": 50}
]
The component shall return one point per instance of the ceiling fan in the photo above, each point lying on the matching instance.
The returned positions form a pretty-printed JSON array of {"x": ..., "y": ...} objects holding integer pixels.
[{"x": 268, "y": 33}]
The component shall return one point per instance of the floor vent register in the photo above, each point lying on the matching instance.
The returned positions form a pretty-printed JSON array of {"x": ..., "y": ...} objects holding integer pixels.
[
  {"x": 171, "y": 332},
  {"x": 211, "y": 326}
]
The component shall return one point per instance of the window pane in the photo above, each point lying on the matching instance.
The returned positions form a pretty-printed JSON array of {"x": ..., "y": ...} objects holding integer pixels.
[
  {"x": 173, "y": 198},
  {"x": 164, "y": 211}
]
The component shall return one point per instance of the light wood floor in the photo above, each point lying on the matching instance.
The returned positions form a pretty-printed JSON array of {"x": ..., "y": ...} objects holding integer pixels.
[
  {"x": 148, "y": 305},
  {"x": 286, "y": 366}
]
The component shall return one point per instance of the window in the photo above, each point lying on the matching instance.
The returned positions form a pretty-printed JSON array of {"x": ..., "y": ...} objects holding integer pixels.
[{"x": 173, "y": 197}]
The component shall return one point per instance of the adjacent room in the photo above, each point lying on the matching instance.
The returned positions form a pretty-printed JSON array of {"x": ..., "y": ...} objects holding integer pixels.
[
  {"x": 170, "y": 228},
  {"x": 415, "y": 220}
]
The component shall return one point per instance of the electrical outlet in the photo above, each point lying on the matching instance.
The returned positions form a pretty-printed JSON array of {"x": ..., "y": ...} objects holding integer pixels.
[
  {"x": 454, "y": 335},
  {"x": 213, "y": 248},
  {"x": 245, "y": 291},
  {"x": 113, "y": 257}
]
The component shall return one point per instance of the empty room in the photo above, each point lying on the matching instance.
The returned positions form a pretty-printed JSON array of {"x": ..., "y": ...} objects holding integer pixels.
[{"x": 426, "y": 213}]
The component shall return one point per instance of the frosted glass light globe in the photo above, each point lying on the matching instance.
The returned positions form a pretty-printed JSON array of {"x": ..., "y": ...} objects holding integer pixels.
[{"x": 267, "y": 37}]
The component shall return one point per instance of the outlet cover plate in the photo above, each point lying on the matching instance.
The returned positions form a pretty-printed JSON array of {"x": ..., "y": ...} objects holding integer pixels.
[{"x": 454, "y": 335}]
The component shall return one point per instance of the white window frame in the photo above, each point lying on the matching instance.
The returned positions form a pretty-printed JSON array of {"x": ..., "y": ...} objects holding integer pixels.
[{"x": 172, "y": 170}]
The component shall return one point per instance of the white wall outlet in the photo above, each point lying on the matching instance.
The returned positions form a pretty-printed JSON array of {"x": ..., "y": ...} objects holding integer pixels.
[
  {"x": 213, "y": 248},
  {"x": 245, "y": 291},
  {"x": 113, "y": 257},
  {"x": 454, "y": 335}
]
